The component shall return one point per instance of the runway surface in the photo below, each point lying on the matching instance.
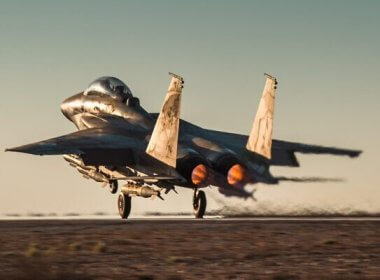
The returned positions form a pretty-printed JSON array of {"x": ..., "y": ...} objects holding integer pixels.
[{"x": 244, "y": 248}]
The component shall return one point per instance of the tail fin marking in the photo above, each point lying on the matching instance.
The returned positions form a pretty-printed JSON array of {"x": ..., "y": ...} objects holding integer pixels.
[
  {"x": 260, "y": 138},
  {"x": 164, "y": 139}
]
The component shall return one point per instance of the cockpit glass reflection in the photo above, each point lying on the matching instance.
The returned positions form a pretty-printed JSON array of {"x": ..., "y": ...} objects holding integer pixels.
[{"x": 109, "y": 86}]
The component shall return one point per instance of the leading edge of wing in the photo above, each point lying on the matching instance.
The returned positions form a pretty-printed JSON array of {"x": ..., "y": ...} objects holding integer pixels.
[
  {"x": 77, "y": 143},
  {"x": 46, "y": 147}
]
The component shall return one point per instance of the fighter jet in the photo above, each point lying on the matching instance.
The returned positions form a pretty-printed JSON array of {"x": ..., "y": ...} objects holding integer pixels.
[{"x": 117, "y": 140}]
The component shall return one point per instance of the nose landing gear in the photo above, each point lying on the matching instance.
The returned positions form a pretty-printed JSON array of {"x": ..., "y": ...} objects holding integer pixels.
[{"x": 199, "y": 203}]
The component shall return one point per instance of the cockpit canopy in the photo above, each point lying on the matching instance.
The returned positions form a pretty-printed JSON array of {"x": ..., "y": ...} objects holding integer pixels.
[{"x": 109, "y": 86}]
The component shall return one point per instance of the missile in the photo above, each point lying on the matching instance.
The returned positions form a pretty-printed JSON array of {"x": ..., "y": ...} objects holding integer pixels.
[
  {"x": 76, "y": 161},
  {"x": 97, "y": 176},
  {"x": 87, "y": 171},
  {"x": 143, "y": 191}
]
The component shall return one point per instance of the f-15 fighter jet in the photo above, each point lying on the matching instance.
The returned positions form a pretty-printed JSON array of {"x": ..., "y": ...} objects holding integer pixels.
[{"x": 117, "y": 140}]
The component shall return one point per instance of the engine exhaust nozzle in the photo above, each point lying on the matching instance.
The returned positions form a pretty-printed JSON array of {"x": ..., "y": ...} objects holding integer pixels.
[
  {"x": 236, "y": 175},
  {"x": 199, "y": 174}
]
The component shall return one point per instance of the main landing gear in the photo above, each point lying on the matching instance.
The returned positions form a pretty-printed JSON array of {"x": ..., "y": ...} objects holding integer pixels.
[
  {"x": 124, "y": 203},
  {"x": 199, "y": 203}
]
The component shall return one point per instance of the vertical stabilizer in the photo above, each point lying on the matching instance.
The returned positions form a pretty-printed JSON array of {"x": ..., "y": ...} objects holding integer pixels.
[
  {"x": 260, "y": 138},
  {"x": 164, "y": 140}
]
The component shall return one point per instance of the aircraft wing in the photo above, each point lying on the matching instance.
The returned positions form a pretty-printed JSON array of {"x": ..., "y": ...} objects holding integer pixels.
[
  {"x": 80, "y": 142},
  {"x": 283, "y": 152}
]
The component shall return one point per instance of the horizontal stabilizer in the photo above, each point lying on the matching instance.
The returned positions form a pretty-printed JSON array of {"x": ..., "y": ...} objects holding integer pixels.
[
  {"x": 314, "y": 149},
  {"x": 283, "y": 152}
]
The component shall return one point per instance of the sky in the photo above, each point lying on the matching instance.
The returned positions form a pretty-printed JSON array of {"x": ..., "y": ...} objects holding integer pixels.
[{"x": 325, "y": 55}]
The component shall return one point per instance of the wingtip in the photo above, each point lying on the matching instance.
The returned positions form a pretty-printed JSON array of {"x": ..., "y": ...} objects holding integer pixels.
[
  {"x": 20, "y": 149},
  {"x": 355, "y": 154}
]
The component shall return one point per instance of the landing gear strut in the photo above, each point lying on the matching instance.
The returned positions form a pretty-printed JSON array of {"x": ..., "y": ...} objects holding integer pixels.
[
  {"x": 124, "y": 203},
  {"x": 113, "y": 186},
  {"x": 199, "y": 203}
]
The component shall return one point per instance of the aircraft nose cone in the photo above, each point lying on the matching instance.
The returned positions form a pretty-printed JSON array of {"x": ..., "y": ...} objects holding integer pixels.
[
  {"x": 68, "y": 104},
  {"x": 64, "y": 108}
]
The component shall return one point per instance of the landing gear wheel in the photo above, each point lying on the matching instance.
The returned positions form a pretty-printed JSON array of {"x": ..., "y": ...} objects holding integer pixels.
[
  {"x": 199, "y": 204},
  {"x": 124, "y": 205},
  {"x": 113, "y": 186}
]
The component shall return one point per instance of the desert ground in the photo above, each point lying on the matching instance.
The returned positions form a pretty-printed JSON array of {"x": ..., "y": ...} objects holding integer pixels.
[{"x": 190, "y": 249}]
